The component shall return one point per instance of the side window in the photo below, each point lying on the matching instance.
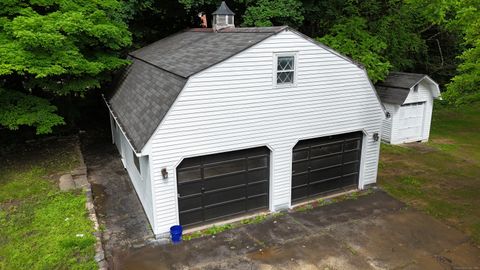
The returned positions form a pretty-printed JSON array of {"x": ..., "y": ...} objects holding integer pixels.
[{"x": 285, "y": 69}]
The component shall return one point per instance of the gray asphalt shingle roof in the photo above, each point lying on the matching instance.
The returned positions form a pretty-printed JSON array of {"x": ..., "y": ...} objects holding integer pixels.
[
  {"x": 189, "y": 52},
  {"x": 396, "y": 87},
  {"x": 142, "y": 98},
  {"x": 159, "y": 71}
]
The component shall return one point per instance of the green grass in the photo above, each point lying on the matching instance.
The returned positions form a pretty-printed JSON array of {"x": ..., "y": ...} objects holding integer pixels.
[
  {"x": 442, "y": 177},
  {"x": 41, "y": 227}
]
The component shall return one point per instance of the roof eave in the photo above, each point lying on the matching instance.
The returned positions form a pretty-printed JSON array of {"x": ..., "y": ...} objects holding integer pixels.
[{"x": 115, "y": 118}]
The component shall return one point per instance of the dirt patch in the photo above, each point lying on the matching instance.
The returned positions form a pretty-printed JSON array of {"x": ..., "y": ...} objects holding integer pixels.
[
  {"x": 443, "y": 141},
  {"x": 420, "y": 147}
]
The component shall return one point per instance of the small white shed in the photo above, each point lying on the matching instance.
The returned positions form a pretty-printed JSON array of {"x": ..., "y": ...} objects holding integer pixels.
[{"x": 408, "y": 99}]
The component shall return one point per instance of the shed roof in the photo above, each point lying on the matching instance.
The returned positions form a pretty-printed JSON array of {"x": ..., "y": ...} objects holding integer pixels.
[
  {"x": 159, "y": 71},
  {"x": 396, "y": 87}
]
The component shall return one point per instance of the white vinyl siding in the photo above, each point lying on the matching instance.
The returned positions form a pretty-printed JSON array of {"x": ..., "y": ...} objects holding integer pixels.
[
  {"x": 388, "y": 122},
  {"x": 235, "y": 105},
  {"x": 141, "y": 181}
]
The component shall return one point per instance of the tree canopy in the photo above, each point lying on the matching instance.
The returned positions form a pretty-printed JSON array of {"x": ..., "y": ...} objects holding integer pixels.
[
  {"x": 55, "y": 47},
  {"x": 64, "y": 48}
]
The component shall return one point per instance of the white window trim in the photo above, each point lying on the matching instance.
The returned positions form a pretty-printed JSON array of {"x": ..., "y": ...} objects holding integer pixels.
[{"x": 295, "y": 69}]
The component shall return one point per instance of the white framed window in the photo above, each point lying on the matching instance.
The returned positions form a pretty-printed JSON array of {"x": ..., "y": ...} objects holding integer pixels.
[{"x": 285, "y": 69}]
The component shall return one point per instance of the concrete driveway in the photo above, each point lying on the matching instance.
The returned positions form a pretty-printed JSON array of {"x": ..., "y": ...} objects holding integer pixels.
[{"x": 372, "y": 232}]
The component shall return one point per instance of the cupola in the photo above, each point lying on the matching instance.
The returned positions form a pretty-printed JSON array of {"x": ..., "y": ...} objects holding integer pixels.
[{"x": 223, "y": 17}]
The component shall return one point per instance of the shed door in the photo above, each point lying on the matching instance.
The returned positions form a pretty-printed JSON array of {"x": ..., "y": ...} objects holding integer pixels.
[
  {"x": 326, "y": 164},
  {"x": 410, "y": 127},
  {"x": 222, "y": 185}
]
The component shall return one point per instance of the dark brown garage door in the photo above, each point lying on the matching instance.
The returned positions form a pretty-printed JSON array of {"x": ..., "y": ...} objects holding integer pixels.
[
  {"x": 222, "y": 185},
  {"x": 326, "y": 164}
]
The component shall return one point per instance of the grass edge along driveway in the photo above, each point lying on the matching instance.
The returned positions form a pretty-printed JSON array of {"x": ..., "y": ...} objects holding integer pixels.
[{"x": 40, "y": 226}]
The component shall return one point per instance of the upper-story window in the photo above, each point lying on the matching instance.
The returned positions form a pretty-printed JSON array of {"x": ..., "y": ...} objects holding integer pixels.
[{"x": 285, "y": 69}]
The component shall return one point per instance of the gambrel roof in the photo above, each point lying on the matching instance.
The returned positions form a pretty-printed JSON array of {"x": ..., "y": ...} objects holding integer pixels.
[
  {"x": 192, "y": 51},
  {"x": 396, "y": 87},
  {"x": 158, "y": 72}
]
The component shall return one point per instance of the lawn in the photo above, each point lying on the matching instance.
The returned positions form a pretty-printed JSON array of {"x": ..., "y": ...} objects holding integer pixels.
[
  {"x": 441, "y": 177},
  {"x": 41, "y": 227}
]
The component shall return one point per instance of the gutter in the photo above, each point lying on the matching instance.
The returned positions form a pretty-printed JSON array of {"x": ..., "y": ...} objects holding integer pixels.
[{"x": 120, "y": 126}]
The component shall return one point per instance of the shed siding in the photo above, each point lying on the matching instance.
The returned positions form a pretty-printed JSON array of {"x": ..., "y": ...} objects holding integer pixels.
[
  {"x": 388, "y": 122},
  {"x": 424, "y": 94},
  {"x": 141, "y": 182},
  {"x": 235, "y": 105}
]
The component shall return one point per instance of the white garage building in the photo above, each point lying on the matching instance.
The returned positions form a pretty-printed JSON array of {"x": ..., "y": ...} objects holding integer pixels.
[
  {"x": 408, "y": 98},
  {"x": 213, "y": 124}
]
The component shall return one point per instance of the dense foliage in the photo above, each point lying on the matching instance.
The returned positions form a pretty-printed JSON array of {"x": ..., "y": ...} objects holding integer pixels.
[
  {"x": 51, "y": 48},
  {"x": 55, "y": 47}
]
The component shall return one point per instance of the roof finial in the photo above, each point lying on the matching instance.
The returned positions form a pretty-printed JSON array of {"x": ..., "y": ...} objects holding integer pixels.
[{"x": 223, "y": 17}]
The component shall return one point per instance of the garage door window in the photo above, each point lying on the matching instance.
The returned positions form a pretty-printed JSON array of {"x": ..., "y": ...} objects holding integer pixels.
[{"x": 222, "y": 168}]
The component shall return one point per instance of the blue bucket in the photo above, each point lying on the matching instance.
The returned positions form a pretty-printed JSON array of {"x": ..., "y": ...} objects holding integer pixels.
[{"x": 176, "y": 234}]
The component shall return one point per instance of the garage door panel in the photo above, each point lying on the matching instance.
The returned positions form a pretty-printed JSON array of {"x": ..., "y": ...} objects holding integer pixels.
[
  {"x": 300, "y": 154},
  {"x": 300, "y": 192},
  {"x": 257, "y": 175},
  {"x": 325, "y": 164},
  {"x": 221, "y": 185},
  {"x": 323, "y": 174},
  {"x": 257, "y": 162},
  {"x": 192, "y": 187},
  {"x": 300, "y": 166},
  {"x": 257, "y": 202},
  {"x": 350, "y": 180},
  {"x": 222, "y": 168},
  {"x": 190, "y": 203},
  {"x": 300, "y": 179},
  {"x": 326, "y": 161},
  {"x": 351, "y": 145},
  {"x": 219, "y": 182},
  {"x": 189, "y": 174},
  {"x": 324, "y": 187},
  {"x": 349, "y": 168},
  {"x": 214, "y": 197},
  {"x": 225, "y": 209},
  {"x": 191, "y": 217},
  {"x": 258, "y": 188},
  {"x": 351, "y": 156},
  {"x": 322, "y": 150}
]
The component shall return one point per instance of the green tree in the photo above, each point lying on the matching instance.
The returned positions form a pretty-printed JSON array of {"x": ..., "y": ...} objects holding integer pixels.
[
  {"x": 352, "y": 39},
  {"x": 54, "y": 48},
  {"x": 273, "y": 12},
  {"x": 465, "y": 86}
]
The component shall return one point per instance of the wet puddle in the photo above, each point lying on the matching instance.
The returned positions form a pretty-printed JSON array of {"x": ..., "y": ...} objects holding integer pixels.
[{"x": 99, "y": 197}]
